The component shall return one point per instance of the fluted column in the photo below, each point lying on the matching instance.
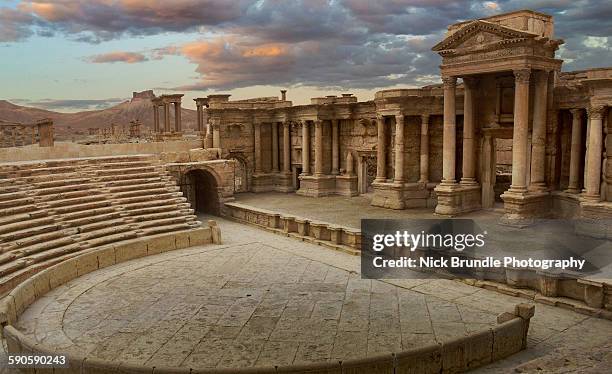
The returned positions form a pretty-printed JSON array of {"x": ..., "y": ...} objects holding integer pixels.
[
  {"x": 335, "y": 147},
  {"x": 286, "y": 147},
  {"x": 595, "y": 149},
  {"x": 398, "y": 176},
  {"x": 576, "y": 144},
  {"x": 538, "y": 133},
  {"x": 257, "y": 146},
  {"x": 305, "y": 149},
  {"x": 156, "y": 118},
  {"x": 318, "y": 147},
  {"x": 424, "y": 153},
  {"x": 177, "y": 117},
  {"x": 166, "y": 117},
  {"x": 275, "y": 147},
  {"x": 469, "y": 125},
  {"x": 449, "y": 139},
  {"x": 381, "y": 164},
  {"x": 520, "y": 132}
]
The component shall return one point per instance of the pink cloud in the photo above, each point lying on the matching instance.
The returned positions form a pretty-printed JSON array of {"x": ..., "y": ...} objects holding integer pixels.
[{"x": 112, "y": 57}]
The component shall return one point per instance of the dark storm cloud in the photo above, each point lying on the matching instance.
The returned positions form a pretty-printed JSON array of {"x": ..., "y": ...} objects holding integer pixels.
[{"x": 339, "y": 43}]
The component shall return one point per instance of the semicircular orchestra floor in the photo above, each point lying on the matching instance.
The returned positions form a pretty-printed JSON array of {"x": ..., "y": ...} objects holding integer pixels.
[{"x": 258, "y": 300}]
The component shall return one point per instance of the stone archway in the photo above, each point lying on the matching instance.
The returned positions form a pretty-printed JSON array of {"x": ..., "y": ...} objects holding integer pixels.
[{"x": 203, "y": 192}]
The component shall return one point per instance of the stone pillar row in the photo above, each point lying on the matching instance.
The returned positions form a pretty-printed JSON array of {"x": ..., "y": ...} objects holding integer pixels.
[{"x": 165, "y": 102}]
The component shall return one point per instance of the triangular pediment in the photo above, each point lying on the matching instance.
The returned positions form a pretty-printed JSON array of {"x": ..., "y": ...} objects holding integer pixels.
[{"x": 480, "y": 32}]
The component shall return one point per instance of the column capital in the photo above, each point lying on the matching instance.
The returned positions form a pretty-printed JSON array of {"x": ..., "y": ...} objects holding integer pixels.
[
  {"x": 576, "y": 113},
  {"x": 522, "y": 75},
  {"x": 470, "y": 82},
  {"x": 596, "y": 111},
  {"x": 449, "y": 82},
  {"x": 399, "y": 117}
]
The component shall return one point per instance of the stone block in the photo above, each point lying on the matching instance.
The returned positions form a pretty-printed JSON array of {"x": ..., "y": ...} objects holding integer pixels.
[
  {"x": 106, "y": 257},
  {"x": 87, "y": 263},
  {"x": 75, "y": 364},
  {"x": 424, "y": 360},
  {"x": 505, "y": 317},
  {"x": 95, "y": 366},
  {"x": 507, "y": 338},
  {"x": 130, "y": 250},
  {"x": 383, "y": 364},
  {"x": 181, "y": 239},
  {"x": 525, "y": 311},
  {"x": 199, "y": 236},
  {"x": 465, "y": 353},
  {"x": 41, "y": 283},
  {"x": 160, "y": 243},
  {"x": 24, "y": 295},
  {"x": 11, "y": 335},
  {"x": 62, "y": 273}
]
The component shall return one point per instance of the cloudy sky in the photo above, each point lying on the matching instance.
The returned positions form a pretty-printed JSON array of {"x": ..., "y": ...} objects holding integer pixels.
[{"x": 72, "y": 55}]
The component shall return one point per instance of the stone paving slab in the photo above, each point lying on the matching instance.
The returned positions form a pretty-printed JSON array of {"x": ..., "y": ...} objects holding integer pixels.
[{"x": 260, "y": 298}]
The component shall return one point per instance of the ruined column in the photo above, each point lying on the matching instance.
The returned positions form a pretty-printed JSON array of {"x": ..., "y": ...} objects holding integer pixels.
[
  {"x": 275, "y": 147},
  {"x": 257, "y": 146},
  {"x": 520, "y": 132},
  {"x": 424, "y": 154},
  {"x": 538, "y": 133},
  {"x": 216, "y": 134},
  {"x": 45, "y": 133},
  {"x": 469, "y": 126},
  {"x": 305, "y": 149},
  {"x": 593, "y": 182},
  {"x": 177, "y": 117},
  {"x": 381, "y": 165},
  {"x": 398, "y": 176},
  {"x": 155, "y": 118},
  {"x": 200, "y": 116},
  {"x": 335, "y": 147},
  {"x": 318, "y": 147},
  {"x": 286, "y": 147},
  {"x": 449, "y": 139},
  {"x": 349, "y": 164},
  {"x": 574, "y": 175},
  {"x": 166, "y": 117}
]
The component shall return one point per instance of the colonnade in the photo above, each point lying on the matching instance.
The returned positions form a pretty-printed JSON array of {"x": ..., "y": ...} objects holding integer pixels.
[{"x": 165, "y": 101}]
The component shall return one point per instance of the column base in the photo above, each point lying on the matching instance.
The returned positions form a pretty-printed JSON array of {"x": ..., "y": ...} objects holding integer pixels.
[
  {"x": 262, "y": 182},
  {"x": 284, "y": 182},
  {"x": 538, "y": 187},
  {"x": 455, "y": 199},
  {"x": 317, "y": 185},
  {"x": 388, "y": 195},
  {"x": 521, "y": 208},
  {"x": 346, "y": 185}
]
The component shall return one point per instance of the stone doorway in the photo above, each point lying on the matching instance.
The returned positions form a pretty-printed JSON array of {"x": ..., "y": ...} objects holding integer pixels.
[
  {"x": 202, "y": 192},
  {"x": 496, "y": 165},
  {"x": 241, "y": 177},
  {"x": 366, "y": 172}
]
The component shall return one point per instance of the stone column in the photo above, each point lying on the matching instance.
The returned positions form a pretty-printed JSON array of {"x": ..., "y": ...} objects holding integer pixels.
[
  {"x": 305, "y": 149},
  {"x": 335, "y": 147},
  {"x": 398, "y": 176},
  {"x": 449, "y": 139},
  {"x": 520, "y": 132},
  {"x": 216, "y": 134},
  {"x": 424, "y": 154},
  {"x": 538, "y": 133},
  {"x": 275, "y": 147},
  {"x": 166, "y": 117},
  {"x": 156, "y": 118},
  {"x": 381, "y": 164},
  {"x": 177, "y": 117},
  {"x": 286, "y": 147},
  {"x": 318, "y": 147},
  {"x": 574, "y": 175},
  {"x": 257, "y": 146},
  {"x": 469, "y": 127},
  {"x": 200, "y": 115},
  {"x": 593, "y": 182}
]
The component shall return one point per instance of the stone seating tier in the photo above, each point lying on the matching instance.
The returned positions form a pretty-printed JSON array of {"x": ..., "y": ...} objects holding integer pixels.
[{"x": 54, "y": 210}]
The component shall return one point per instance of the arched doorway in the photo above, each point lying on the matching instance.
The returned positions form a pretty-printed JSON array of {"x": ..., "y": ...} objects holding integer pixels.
[{"x": 202, "y": 191}]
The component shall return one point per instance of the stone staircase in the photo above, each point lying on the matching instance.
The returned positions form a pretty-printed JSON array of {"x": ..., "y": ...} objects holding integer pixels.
[{"x": 55, "y": 209}]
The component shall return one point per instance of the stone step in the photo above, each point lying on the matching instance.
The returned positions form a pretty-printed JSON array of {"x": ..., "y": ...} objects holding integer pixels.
[
  {"x": 81, "y": 207},
  {"x": 8, "y": 257},
  {"x": 109, "y": 178},
  {"x": 25, "y": 224},
  {"x": 75, "y": 217},
  {"x": 64, "y": 239},
  {"x": 138, "y": 199},
  {"x": 92, "y": 197},
  {"x": 11, "y": 267},
  {"x": 163, "y": 229},
  {"x": 107, "y": 231},
  {"x": 101, "y": 224},
  {"x": 148, "y": 209},
  {"x": 161, "y": 215},
  {"x": 47, "y": 170},
  {"x": 28, "y": 232},
  {"x": 62, "y": 183},
  {"x": 162, "y": 222},
  {"x": 40, "y": 179},
  {"x": 67, "y": 196},
  {"x": 23, "y": 244},
  {"x": 92, "y": 243},
  {"x": 16, "y": 218},
  {"x": 126, "y": 164},
  {"x": 124, "y": 171},
  {"x": 144, "y": 185},
  {"x": 17, "y": 210},
  {"x": 109, "y": 214},
  {"x": 54, "y": 253},
  {"x": 17, "y": 194},
  {"x": 130, "y": 183},
  {"x": 65, "y": 189},
  {"x": 15, "y": 202},
  {"x": 144, "y": 192}
]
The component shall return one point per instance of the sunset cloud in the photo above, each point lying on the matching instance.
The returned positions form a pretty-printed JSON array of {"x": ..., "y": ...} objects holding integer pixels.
[{"x": 127, "y": 57}]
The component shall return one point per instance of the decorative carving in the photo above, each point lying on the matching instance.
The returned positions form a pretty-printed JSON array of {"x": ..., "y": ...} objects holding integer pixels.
[
  {"x": 596, "y": 111},
  {"x": 576, "y": 113},
  {"x": 522, "y": 76},
  {"x": 449, "y": 82}
]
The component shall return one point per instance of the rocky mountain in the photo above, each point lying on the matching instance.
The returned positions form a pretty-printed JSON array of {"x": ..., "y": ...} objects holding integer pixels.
[{"x": 138, "y": 108}]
